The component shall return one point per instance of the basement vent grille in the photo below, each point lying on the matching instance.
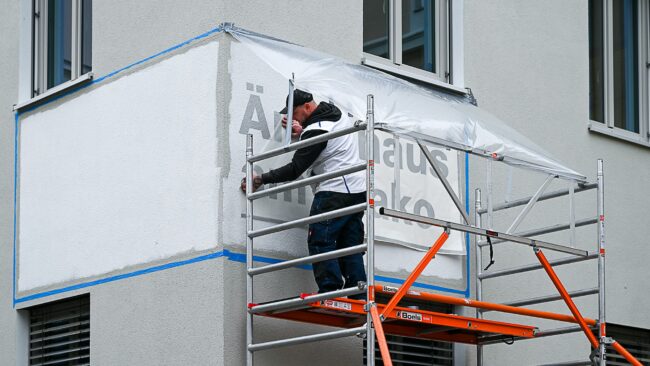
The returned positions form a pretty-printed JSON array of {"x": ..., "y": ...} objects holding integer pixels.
[
  {"x": 406, "y": 351},
  {"x": 60, "y": 333},
  {"x": 635, "y": 340}
]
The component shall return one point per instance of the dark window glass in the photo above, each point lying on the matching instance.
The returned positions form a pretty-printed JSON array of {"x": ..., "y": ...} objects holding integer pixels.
[
  {"x": 375, "y": 27},
  {"x": 86, "y": 36},
  {"x": 418, "y": 34},
  {"x": 59, "y": 42},
  {"x": 596, "y": 62},
  {"x": 625, "y": 64}
]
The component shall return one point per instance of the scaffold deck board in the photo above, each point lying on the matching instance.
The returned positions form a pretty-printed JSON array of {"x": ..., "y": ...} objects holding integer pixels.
[{"x": 348, "y": 313}]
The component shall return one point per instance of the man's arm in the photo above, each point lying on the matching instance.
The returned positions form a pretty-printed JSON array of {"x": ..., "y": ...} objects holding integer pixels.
[{"x": 302, "y": 159}]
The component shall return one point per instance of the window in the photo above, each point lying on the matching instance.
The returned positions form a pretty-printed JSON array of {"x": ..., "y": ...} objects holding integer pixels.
[
  {"x": 618, "y": 67},
  {"x": 62, "y": 42},
  {"x": 410, "y": 35},
  {"x": 59, "y": 333}
]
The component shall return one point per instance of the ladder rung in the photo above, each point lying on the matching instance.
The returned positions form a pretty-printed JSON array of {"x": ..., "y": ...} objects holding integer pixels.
[
  {"x": 307, "y": 181},
  {"x": 538, "y": 300},
  {"x": 532, "y": 267},
  {"x": 539, "y": 334},
  {"x": 308, "y": 220},
  {"x": 544, "y": 230},
  {"x": 310, "y": 259},
  {"x": 306, "y": 339},
  {"x": 479, "y": 231},
  {"x": 360, "y": 125},
  {"x": 555, "y": 194},
  {"x": 298, "y": 302}
]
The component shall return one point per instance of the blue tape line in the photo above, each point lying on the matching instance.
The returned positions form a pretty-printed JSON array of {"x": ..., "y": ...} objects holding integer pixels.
[
  {"x": 170, "y": 49},
  {"x": 467, "y": 256},
  {"x": 113, "y": 73},
  {"x": 122, "y": 276},
  {"x": 232, "y": 256},
  {"x": 66, "y": 93},
  {"x": 13, "y": 291},
  {"x": 241, "y": 257}
]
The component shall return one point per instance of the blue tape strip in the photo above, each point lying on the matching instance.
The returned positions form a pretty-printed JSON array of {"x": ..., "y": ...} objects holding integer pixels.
[
  {"x": 16, "y": 115},
  {"x": 241, "y": 257},
  {"x": 122, "y": 276},
  {"x": 467, "y": 256},
  {"x": 66, "y": 93},
  {"x": 113, "y": 73},
  {"x": 232, "y": 256}
]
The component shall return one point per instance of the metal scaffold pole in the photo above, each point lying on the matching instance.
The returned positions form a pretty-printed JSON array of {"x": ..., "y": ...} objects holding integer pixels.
[
  {"x": 249, "y": 249},
  {"x": 601, "y": 264},
  {"x": 370, "y": 224},
  {"x": 479, "y": 267}
]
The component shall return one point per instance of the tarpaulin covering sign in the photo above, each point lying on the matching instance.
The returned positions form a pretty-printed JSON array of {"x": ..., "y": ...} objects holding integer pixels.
[{"x": 403, "y": 107}]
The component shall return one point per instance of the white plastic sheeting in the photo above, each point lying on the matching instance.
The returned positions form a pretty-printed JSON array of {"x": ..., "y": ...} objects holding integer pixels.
[{"x": 402, "y": 107}]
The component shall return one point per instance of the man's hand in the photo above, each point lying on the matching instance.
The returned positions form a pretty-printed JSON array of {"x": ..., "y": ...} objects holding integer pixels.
[
  {"x": 257, "y": 183},
  {"x": 296, "y": 127}
]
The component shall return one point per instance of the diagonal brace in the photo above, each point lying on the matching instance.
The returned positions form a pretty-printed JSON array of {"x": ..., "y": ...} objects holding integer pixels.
[
  {"x": 530, "y": 205},
  {"x": 416, "y": 273},
  {"x": 567, "y": 298},
  {"x": 444, "y": 181},
  {"x": 379, "y": 332}
]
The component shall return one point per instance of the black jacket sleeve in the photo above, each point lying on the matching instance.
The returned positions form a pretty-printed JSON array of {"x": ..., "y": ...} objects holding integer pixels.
[{"x": 302, "y": 159}]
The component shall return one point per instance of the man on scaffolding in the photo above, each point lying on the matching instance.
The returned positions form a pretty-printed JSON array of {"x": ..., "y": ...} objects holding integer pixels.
[{"x": 311, "y": 119}]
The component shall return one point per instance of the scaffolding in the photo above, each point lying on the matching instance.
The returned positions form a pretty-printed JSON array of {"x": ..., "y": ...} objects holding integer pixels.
[{"x": 374, "y": 320}]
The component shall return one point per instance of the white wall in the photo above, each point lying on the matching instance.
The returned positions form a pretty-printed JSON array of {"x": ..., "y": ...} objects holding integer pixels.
[{"x": 121, "y": 173}]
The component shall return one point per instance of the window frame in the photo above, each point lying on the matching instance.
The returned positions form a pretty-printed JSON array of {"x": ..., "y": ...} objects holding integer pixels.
[
  {"x": 39, "y": 75},
  {"x": 643, "y": 77},
  {"x": 443, "y": 34}
]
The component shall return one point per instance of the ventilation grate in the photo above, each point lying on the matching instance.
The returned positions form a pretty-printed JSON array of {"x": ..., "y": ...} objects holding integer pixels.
[
  {"x": 635, "y": 340},
  {"x": 406, "y": 351},
  {"x": 59, "y": 333}
]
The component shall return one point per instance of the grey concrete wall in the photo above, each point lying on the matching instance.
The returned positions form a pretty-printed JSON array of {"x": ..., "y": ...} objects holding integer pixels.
[
  {"x": 8, "y": 95},
  {"x": 528, "y": 63}
]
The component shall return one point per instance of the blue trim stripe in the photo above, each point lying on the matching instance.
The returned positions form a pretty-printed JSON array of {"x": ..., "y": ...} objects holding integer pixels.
[
  {"x": 64, "y": 94},
  {"x": 241, "y": 258},
  {"x": 113, "y": 73},
  {"x": 16, "y": 115},
  {"x": 170, "y": 49},
  {"x": 232, "y": 256},
  {"x": 467, "y": 253},
  {"x": 122, "y": 276}
]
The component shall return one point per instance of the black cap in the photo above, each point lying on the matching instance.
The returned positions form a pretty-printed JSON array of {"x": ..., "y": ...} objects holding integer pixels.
[{"x": 300, "y": 97}]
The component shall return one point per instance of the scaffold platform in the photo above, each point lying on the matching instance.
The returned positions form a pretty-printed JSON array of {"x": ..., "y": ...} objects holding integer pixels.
[{"x": 403, "y": 321}]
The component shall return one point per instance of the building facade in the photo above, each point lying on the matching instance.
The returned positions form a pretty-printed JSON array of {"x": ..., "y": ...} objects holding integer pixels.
[{"x": 571, "y": 76}]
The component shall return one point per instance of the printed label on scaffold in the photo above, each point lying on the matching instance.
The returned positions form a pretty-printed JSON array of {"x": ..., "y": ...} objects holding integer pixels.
[
  {"x": 409, "y": 316},
  {"x": 336, "y": 304}
]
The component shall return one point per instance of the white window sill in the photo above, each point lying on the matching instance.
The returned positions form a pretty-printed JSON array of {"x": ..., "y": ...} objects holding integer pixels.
[
  {"x": 43, "y": 97},
  {"x": 387, "y": 65},
  {"x": 617, "y": 133}
]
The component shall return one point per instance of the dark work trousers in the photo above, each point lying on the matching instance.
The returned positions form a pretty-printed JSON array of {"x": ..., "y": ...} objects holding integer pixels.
[{"x": 341, "y": 232}]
